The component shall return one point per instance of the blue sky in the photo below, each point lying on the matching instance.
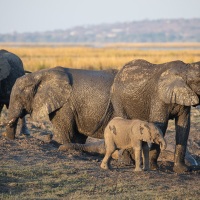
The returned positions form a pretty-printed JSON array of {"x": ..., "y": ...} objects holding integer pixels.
[{"x": 42, "y": 15}]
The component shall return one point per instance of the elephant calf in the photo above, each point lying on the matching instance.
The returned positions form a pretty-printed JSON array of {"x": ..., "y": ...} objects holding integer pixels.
[{"x": 123, "y": 134}]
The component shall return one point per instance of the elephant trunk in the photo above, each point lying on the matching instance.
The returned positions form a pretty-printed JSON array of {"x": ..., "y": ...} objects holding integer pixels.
[
  {"x": 11, "y": 128},
  {"x": 15, "y": 112},
  {"x": 93, "y": 147}
]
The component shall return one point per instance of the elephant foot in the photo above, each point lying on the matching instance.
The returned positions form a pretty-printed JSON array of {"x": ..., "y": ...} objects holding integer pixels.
[
  {"x": 138, "y": 169},
  {"x": 180, "y": 168},
  {"x": 55, "y": 143},
  {"x": 104, "y": 166},
  {"x": 9, "y": 136},
  {"x": 65, "y": 147},
  {"x": 154, "y": 166},
  {"x": 179, "y": 160},
  {"x": 25, "y": 132},
  {"x": 146, "y": 168}
]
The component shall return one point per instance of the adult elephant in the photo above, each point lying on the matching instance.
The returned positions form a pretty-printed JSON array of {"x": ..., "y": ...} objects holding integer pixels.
[
  {"x": 157, "y": 93},
  {"x": 11, "y": 68},
  {"x": 75, "y": 100}
]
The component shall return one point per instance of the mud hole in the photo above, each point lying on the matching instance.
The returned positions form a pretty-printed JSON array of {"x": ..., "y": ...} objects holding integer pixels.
[{"x": 31, "y": 168}]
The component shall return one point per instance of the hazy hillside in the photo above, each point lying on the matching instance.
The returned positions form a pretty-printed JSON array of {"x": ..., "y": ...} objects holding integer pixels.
[{"x": 177, "y": 30}]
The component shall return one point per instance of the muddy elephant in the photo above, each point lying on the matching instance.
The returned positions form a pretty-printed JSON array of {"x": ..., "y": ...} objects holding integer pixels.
[
  {"x": 11, "y": 68},
  {"x": 74, "y": 100},
  {"x": 157, "y": 93},
  {"x": 125, "y": 134},
  {"x": 79, "y": 102}
]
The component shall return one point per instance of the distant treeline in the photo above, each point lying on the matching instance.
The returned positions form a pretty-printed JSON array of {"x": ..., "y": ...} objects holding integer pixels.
[{"x": 176, "y": 30}]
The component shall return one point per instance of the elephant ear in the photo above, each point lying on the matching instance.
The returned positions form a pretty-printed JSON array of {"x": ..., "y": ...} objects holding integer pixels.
[
  {"x": 4, "y": 68},
  {"x": 51, "y": 94},
  {"x": 173, "y": 89}
]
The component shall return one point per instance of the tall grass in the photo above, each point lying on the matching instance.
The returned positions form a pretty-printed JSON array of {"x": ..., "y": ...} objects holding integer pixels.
[{"x": 36, "y": 57}]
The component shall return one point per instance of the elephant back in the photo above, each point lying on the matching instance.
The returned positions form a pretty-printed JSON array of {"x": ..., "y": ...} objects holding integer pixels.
[{"x": 137, "y": 70}]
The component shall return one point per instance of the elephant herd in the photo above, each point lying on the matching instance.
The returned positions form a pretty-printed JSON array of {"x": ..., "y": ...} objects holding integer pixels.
[{"x": 80, "y": 103}]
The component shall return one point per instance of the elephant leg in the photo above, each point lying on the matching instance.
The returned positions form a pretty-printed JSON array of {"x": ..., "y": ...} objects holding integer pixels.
[
  {"x": 179, "y": 159},
  {"x": 154, "y": 154},
  {"x": 145, "y": 155},
  {"x": 78, "y": 143},
  {"x": 110, "y": 148},
  {"x": 182, "y": 124},
  {"x": 23, "y": 127},
  {"x": 138, "y": 155},
  {"x": 155, "y": 148},
  {"x": 92, "y": 147},
  {"x": 106, "y": 160},
  {"x": 63, "y": 126}
]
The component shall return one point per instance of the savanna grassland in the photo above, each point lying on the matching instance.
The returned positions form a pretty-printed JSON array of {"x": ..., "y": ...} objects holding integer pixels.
[
  {"x": 32, "y": 168},
  {"x": 40, "y": 56}
]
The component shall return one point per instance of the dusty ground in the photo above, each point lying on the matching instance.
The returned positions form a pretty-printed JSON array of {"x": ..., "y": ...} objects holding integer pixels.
[{"x": 31, "y": 168}]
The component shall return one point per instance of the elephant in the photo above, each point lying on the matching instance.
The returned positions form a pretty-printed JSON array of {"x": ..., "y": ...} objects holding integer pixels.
[
  {"x": 157, "y": 93},
  {"x": 125, "y": 133},
  {"x": 11, "y": 68},
  {"x": 80, "y": 103},
  {"x": 74, "y": 100}
]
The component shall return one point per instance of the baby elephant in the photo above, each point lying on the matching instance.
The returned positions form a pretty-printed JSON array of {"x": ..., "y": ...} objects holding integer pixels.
[{"x": 124, "y": 134}]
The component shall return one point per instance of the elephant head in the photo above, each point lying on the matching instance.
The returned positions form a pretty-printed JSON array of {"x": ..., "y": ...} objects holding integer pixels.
[
  {"x": 152, "y": 134},
  {"x": 180, "y": 85},
  {"x": 38, "y": 94},
  {"x": 10, "y": 64}
]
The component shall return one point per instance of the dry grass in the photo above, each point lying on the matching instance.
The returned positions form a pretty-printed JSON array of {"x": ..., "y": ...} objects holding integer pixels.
[{"x": 40, "y": 56}]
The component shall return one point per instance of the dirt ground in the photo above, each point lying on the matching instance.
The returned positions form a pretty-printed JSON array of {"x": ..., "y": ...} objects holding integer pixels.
[{"x": 31, "y": 168}]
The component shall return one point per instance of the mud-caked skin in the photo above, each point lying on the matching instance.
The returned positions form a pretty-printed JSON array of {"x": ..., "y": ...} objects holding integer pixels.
[
  {"x": 74, "y": 100},
  {"x": 11, "y": 68},
  {"x": 125, "y": 134},
  {"x": 78, "y": 101},
  {"x": 157, "y": 93}
]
